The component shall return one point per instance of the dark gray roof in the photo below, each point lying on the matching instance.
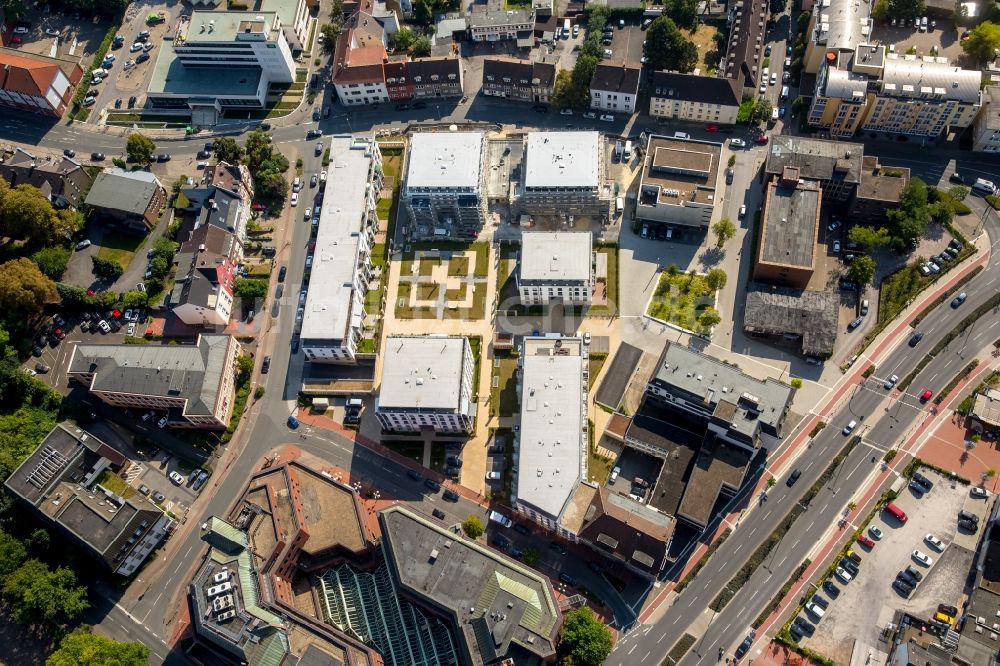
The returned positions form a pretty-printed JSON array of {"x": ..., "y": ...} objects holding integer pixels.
[
  {"x": 520, "y": 72},
  {"x": 623, "y": 78},
  {"x": 127, "y": 191},
  {"x": 693, "y": 88},
  {"x": 790, "y": 222},
  {"x": 744, "y": 50},
  {"x": 63, "y": 177},
  {"x": 193, "y": 372},
  {"x": 882, "y": 183},
  {"x": 780, "y": 311},
  {"x": 816, "y": 158},
  {"x": 443, "y": 67}
]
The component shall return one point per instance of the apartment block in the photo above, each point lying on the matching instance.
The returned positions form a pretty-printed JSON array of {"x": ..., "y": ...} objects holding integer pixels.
[
  {"x": 836, "y": 165},
  {"x": 522, "y": 80},
  {"x": 678, "y": 182},
  {"x": 986, "y": 128},
  {"x": 495, "y": 25},
  {"x": 564, "y": 174},
  {"x": 426, "y": 384},
  {"x": 615, "y": 87},
  {"x": 445, "y": 182},
  {"x": 556, "y": 266},
  {"x": 63, "y": 480},
  {"x": 36, "y": 83},
  {"x": 837, "y": 27},
  {"x": 193, "y": 384},
  {"x": 334, "y": 311},
  {"x": 879, "y": 191},
  {"x": 789, "y": 231},
  {"x": 61, "y": 181},
  {"x": 358, "y": 75},
  {"x": 744, "y": 54},
  {"x": 700, "y": 99}
]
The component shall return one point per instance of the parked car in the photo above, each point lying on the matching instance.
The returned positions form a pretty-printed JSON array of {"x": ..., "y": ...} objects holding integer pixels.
[
  {"x": 875, "y": 532},
  {"x": 979, "y": 493},
  {"x": 922, "y": 558},
  {"x": 293, "y": 422},
  {"x": 865, "y": 541},
  {"x": 176, "y": 478},
  {"x": 830, "y": 588},
  {"x": 607, "y": 117},
  {"x": 162, "y": 423}
]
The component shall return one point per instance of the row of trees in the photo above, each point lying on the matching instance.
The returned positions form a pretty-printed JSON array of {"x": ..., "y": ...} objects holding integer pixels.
[
  {"x": 266, "y": 164},
  {"x": 27, "y": 216}
]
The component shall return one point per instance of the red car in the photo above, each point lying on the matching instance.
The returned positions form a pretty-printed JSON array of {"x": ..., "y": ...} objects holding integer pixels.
[
  {"x": 865, "y": 541},
  {"x": 762, "y": 139},
  {"x": 59, "y": 334},
  {"x": 712, "y": 128},
  {"x": 926, "y": 395},
  {"x": 15, "y": 40}
]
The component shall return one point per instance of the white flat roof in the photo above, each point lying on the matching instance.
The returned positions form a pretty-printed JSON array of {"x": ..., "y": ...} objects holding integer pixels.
[
  {"x": 445, "y": 159},
  {"x": 422, "y": 372},
  {"x": 553, "y": 445},
  {"x": 331, "y": 303},
  {"x": 562, "y": 159},
  {"x": 556, "y": 255}
]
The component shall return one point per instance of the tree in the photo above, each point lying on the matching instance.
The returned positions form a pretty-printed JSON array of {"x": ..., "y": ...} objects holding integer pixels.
[
  {"x": 227, "y": 150},
  {"x": 906, "y": 9},
  {"x": 27, "y": 215},
  {"x": 862, "y": 270},
  {"x": 716, "y": 279},
  {"x": 106, "y": 268},
  {"x": 683, "y": 12},
  {"x": 942, "y": 212},
  {"x": 762, "y": 110},
  {"x": 421, "y": 47},
  {"x": 258, "y": 149},
  {"x": 585, "y": 639},
  {"x": 166, "y": 248},
  {"x": 331, "y": 34},
  {"x": 39, "y": 594},
  {"x": 908, "y": 221},
  {"x": 250, "y": 288},
  {"x": 404, "y": 39},
  {"x": 135, "y": 299},
  {"x": 159, "y": 267},
  {"x": 12, "y": 555},
  {"x": 23, "y": 288},
  {"x": 244, "y": 368},
  {"x": 724, "y": 229},
  {"x": 869, "y": 237},
  {"x": 709, "y": 317},
  {"x": 473, "y": 527},
  {"x": 983, "y": 41},
  {"x": 84, "y": 648},
  {"x": 139, "y": 148},
  {"x": 667, "y": 48},
  {"x": 562, "y": 90},
  {"x": 745, "y": 113},
  {"x": 959, "y": 192},
  {"x": 52, "y": 261},
  {"x": 530, "y": 556}
]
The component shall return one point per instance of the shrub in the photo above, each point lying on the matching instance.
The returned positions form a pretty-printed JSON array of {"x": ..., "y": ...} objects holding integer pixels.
[
  {"x": 473, "y": 527},
  {"x": 796, "y": 383},
  {"x": 106, "y": 268},
  {"x": 52, "y": 261}
]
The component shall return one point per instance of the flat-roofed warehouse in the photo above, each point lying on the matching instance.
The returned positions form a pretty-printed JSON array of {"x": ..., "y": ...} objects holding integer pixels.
[
  {"x": 445, "y": 181},
  {"x": 789, "y": 231},
  {"x": 678, "y": 182},
  {"x": 564, "y": 175}
]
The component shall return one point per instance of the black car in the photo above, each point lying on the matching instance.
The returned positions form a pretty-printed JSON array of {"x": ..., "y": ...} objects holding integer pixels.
[
  {"x": 522, "y": 529},
  {"x": 438, "y": 513},
  {"x": 432, "y": 484},
  {"x": 566, "y": 578},
  {"x": 402, "y": 107},
  {"x": 454, "y": 461},
  {"x": 53, "y": 341},
  {"x": 500, "y": 541},
  {"x": 807, "y": 627},
  {"x": 143, "y": 57},
  {"x": 295, "y": 345},
  {"x": 849, "y": 565},
  {"x": 69, "y": 152},
  {"x": 819, "y": 600},
  {"x": 115, "y": 326},
  {"x": 97, "y": 157},
  {"x": 312, "y": 134},
  {"x": 923, "y": 481},
  {"x": 830, "y": 588},
  {"x": 968, "y": 525},
  {"x": 41, "y": 368},
  {"x": 915, "y": 339},
  {"x": 541, "y": 108},
  {"x": 795, "y": 631},
  {"x": 450, "y": 495},
  {"x": 163, "y": 157},
  {"x": 204, "y": 154},
  {"x": 907, "y": 577},
  {"x": 903, "y": 587},
  {"x": 744, "y": 646},
  {"x": 266, "y": 365},
  {"x": 452, "y": 472},
  {"x": 265, "y": 126},
  {"x": 414, "y": 474},
  {"x": 209, "y": 145},
  {"x": 420, "y": 105},
  {"x": 281, "y": 273},
  {"x": 36, "y": 350},
  {"x": 955, "y": 244},
  {"x": 914, "y": 573},
  {"x": 132, "y": 100},
  {"x": 558, "y": 547},
  {"x": 948, "y": 610},
  {"x": 793, "y": 478},
  {"x": 965, "y": 515}
]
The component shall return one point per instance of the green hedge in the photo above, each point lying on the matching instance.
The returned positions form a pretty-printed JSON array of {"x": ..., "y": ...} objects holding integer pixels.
[
  {"x": 816, "y": 430},
  {"x": 917, "y": 464},
  {"x": 785, "y": 589},
  {"x": 869, "y": 371},
  {"x": 80, "y": 112},
  {"x": 679, "y": 649}
]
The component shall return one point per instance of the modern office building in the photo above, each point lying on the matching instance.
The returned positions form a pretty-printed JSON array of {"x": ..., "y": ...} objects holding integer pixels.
[
  {"x": 333, "y": 318},
  {"x": 789, "y": 231},
  {"x": 564, "y": 175},
  {"x": 494, "y": 25},
  {"x": 693, "y": 98},
  {"x": 615, "y": 87},
  {"x": 66, "y": 480},
  {"x": 427, "y": 383},
  {"x": 556, "y": 265},
  {"x": 37, "y": 83},
  {"x": 522, "y": 80},
  {"x": 679, "y": 181},
  {"x": 445, "y": 182},
  {"x": 836, "y": 165},
  {"x": 986, "y": 128},
  {"x": 193, "y": 384}
]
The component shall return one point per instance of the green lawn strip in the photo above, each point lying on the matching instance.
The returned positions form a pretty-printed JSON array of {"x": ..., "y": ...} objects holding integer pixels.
[
  {"x": 478, "y": 302},
  {"x": 594, "y": 364},
  {"x": 605, "y": 310},
  {"x": 427, "y": 265},
  {"x": 366, "y": 346},
  {"x": 120, "y": 247},
  {"x": 482, "y": 251},
  {"x": 598, "y": 466},
  {"x": 965, "y": 372},
  {"x": 427, "y": 291},
  {"x": 475, "y": 345},
  {"x": 458, "y": 266},
  {"x": 115, "y": 484},
  {"x": 680, "y": 648},
  {"x": 503, "y": 385}
]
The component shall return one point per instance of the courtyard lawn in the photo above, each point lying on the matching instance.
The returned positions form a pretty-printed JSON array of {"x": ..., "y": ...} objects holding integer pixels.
[
  {"x": 503, "y": 386},
  {"x": 116, "y": 246},
  {"x": 681, "y": 298},
  {"x": 458, "y": 266},
  {"x": 477, "y": 310},
  {"x": 427, "y": 265},
  {"x": 456, "y": 294},
  {"x": 708, "y": 49}
]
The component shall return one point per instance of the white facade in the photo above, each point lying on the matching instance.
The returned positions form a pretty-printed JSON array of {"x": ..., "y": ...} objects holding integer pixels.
[
  {"x": 236, "y": 39},
  {"x": 497, "y": 25},
  {"x": 556, "y": 266},
  {"x": 359, "y": 94},
  {"x": 615, "y": 102},
  {"x": 986, "y": 130}
]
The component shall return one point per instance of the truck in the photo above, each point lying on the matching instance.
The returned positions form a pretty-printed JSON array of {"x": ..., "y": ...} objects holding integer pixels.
[
  {"x": 567, "y": 30},
  {"x": 498, "y": 517}
]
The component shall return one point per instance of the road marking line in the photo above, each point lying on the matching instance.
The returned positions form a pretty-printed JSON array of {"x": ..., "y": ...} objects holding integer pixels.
[
  {"x": 737, "y": 549},
  {"x": 633, "y": 649},
  {"x": 647, "y": 655}
]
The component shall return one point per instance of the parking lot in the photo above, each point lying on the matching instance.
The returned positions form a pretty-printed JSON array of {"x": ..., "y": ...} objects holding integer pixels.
[
  {"x": 626, "y": 44},
  {"x": 77, "y": 37},
  {"x": 944, "y": 37},
  {"x": 865, "y": 605}
]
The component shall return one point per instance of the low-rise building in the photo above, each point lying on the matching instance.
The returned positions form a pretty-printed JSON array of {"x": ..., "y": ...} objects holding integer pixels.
[
  {"x": 340, "y": 265},
  {"x": 427, "y": 383},
  {"x": 699, "y": 99},
  {"x": 522, "y": 80},
  {"x": 744, "y": 54},
  {"x": 837, "y": 165},
  {"x": 564, "y": 175},
  {"x": 206, "y": 294},
  {"x": 62, "y": 180},
  {"x": 36, "y": 83},
  {"x": 445, "y": 181},
  {"x": 986, "y": 407},
  {"x": 234, "y": 178},
  {"x": 494, "y": 25},
  {"x": 878, "y": 192},
  {"x": 986, "y": 128},
  {"x": 66, "y": 481},
  {"x": 215, "y": 206},
  {"x": 194, "y": 384},
  {"x": 789, "y": 231},
  {"x": 132, "y": 199},
  {"x": 678, "y": 182},
  {"x": 806, "y": 320},
  {"x": 615, "y": 87},
  {"x": 436, "y": 77},
  {"x": 358, "y": 75},
  {"x": 556, "y": 266}
]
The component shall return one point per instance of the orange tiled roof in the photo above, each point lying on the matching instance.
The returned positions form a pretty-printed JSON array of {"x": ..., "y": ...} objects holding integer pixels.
[{"x": 24, "y": 75}]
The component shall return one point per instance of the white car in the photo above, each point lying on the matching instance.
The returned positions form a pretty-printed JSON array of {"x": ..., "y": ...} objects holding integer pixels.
[
  {"x": 110, "y": 57},
  {"x": 565, "y": 112},
  {"x": 737, "y": 143},
  {"x": 308, "y": 213},
  {"x": 51, "y": 32},
  {"x": 979, "y": 493},
  {"x": 322, "y": 176},
  {"x": 922, "y": 558},
  {"x": 607, "y": 117},
  {"x": 296, "y": 184},
  {"x": 130, "y": 331},
  {"x": 492, "y": 476},
  {"x": 842, "y": 574},
  {"x": 176, "y": 478},
  {"x": 590, "y": 114},
  {"x": 135, "y": 47},
  {"x": 815, "y": 610},
  {"x": 933, "y": 267},
  {"x": 774, "y": 78},
  {"x": 104, "y": 326},
  {"x": 129, "y": 64},
  {"x": 295, "y": 199},
  {"x": 743, "y": 211},
  {"x": 162, "y": 423},
  {"x": 934, "y": 542},
  {"x": 849, "y": 428},
  {"x": 30, "y": 371},
  {"x": 763, "y": 87}
]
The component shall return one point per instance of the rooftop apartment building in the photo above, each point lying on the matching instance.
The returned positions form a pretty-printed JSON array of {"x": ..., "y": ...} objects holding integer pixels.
[
  {"x": 494, "y": 25},
  {"x": 61, "y": 180},
  {"x": 334, "y": 311},
  {"x": 427, "y": 383},
  {"x": 744, "y": 54},
  {"x": 193, "y": 384},
  {"x": 615, "y": 87},
  {"x": 36, "y": 83},
  {"x": 789, "y": 231},
  {"x": 836, "y": 26},
  {"x": 215, "y": 206},
  {"x": 986, "y": 127},
  {"x": 445, "y": 181},
  {"x": 556, "y": 265},
  {"x": 358, "y": 76},
  {"x": 878, "y": 192},
  {"x": 563, "y": 174},
  {"x": 699, "y": 99},
  {"x": 737, "y": 408},
  {"x": 678, "y": 182},
  {"x": 63, "y": 480},
  {"x": 132, "y": 199},
  {"x": 836, "y": 165},
  {"x": 522, "y": 80},
  {"x": 205, "y": 297}
]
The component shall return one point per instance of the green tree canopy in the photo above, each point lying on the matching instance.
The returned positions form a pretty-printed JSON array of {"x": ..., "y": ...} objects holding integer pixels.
[
  {"x": 473, "y": 527},
  {"x": 139, "y": 148},
  {"x": 39, "y": 594},
  {"x": 716, "y": 279},
  {"x": 227, "y": 150},
  {"x": 83, "y": 648},
  {"x": 250, "y": 288},
  {"x": 331, "y": 34},
  {"x": 667, "y": 48},
  {"x": 106, "y": 268},
  {"x": 709, "y": 317},
  {"x": 52, "y": 261},
  {"x": 135, "y": 299},
  {"x": 862, "y": 270},
  {"x": 683, "y": 12},
  {"x": 869, "y": 237},
  {"x": 585, "y": 639},
  {"x": 24, "y": 289},
  {"x": 404, "y": 39},
  {"x": 421, "y": 47},
  {"x": 983, "y": 41},
  {"x": 906, "y": 9},
  {"x": 27, "y": 215},
  {"x": 908, "y": 221},
  {"x": 12, "y": 555},
  {"x": 724, "y": 229}
]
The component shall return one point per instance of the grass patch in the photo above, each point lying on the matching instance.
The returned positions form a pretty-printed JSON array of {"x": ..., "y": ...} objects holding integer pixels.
[
  {"x": 594, "y": 364},
  {"x": 680, "y": 298},
  {"x": 598, "y": 467},
  {"x": 366, "y": 346},
  {"x": 428, "y": 264},
  {"x": 427, "y": 291},
  {"x": 115, "y": 484},
  {"x": 680, "y": 648},
  {"x": 607, "y": 310},
  {"x": 411, "y": 450},
  {"x": 714, "y": 546},
  {"x": 456, "y": 294},
  {"x": 120, "y": 247},
  {"x": 503, "y": 386},
  {"x": 505, "y": 267},
  {"x": 458, "y": 266},
  {"x": 966, "y": 371},
  {"x": 475, "y": 312}
]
